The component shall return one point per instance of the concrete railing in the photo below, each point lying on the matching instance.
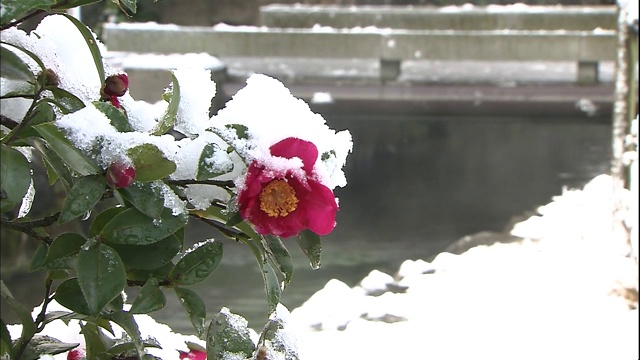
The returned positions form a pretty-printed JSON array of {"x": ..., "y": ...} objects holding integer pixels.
[
  {"x": 389, "y": 46},
  {"x": 512, "y": 17}
]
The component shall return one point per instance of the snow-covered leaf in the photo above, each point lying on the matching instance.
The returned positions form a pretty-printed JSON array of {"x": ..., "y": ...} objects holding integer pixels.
[
  {"x": 207, "y": 169},
  {"x": 228, "y": 335},
  {"x": 117, "y": 118}
]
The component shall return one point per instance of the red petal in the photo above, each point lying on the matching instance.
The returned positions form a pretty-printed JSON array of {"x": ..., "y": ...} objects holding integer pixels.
[
  {"x": 320, "y": 207},
  {"x": 114, "y": 101},
  {"x": 294, "y": 147}
]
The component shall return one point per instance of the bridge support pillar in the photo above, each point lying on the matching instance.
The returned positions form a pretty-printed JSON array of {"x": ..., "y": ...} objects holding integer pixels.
[
  {"x": 389, "y": 69},
  {"x": 587, "y": 72}
]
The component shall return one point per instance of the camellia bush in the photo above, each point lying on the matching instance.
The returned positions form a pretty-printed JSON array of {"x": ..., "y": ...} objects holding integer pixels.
[{"x": 260, "y": 172}]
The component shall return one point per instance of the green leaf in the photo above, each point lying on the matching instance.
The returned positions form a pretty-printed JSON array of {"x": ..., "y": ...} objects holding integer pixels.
[
  {"x": 280, "y": 257},
  {"x": 67, "y": 152},
  {"x": 74, "y": 3},
  {"x": 38, "y": 257},
  {"x": 69, "y": 295},
  {"x": 117, "y": 118},
  {"x": 103, "y": 219},
  {"x": 150, "y": 163},
  {"x": 197, "y": 264},
  {"x": 228, "y": 333},
  {"x": 42, "y": 113},
  {"x": 13, "y": 68},
  {"x": 66, "y": 101},
  {"x": 62, "y": 251},
  {"x": 28, "y": 326},
  {"x": 146, "y": 197},
  {"x": 194, "y": 306},
  {"x": 15, "y": 177},
  {"x": 91, "y": 43},
  {"x": 169, "y": 117},
  {"x": 135, "y": 228},
  {"x": 311, "y": 245},
  {"x": 129, "y": 4},
  {"x": 95, "y": 341},
  {"x": 5, "y": 341},
  {"x": 207, "y": 169},
  {"x": 128, "y": 323},
  {"x": 161, "y": 272},
  {"x": 84, "y": 195},
  {"x": 53, "y": 162},
  {"x": 272, "y": 286},
  {"x": 149, "y": 256},
  {"x": 43, "y": 344},
  {"x": 150, "y": 298},
  {"x": 11, "y": 9},
  {"x": 101, "y": 275}
]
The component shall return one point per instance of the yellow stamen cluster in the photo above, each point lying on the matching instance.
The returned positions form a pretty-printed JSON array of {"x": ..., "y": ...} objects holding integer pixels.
[{"x": 278, "y": 199}]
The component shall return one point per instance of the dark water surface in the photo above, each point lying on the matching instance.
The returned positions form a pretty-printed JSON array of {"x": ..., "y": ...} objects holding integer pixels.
[{"x": 415, "y": 185}]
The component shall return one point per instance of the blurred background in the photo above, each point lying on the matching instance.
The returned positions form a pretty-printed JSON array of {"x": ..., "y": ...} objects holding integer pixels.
[{"x": 448, "y": 149}]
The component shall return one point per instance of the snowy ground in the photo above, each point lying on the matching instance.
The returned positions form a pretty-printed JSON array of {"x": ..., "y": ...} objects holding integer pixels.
[{"x": 567, "y": 290}]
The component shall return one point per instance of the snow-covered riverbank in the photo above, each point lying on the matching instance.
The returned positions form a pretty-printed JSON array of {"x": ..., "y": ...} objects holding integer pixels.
[{"x": 565, "y": 290}]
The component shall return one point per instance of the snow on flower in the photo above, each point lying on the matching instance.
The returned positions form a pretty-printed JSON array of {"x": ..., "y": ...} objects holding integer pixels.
[
  {"x": 271, "y": 113},
  {"x": 285, "y": 202},
  {"x": 295, "y": 160}
]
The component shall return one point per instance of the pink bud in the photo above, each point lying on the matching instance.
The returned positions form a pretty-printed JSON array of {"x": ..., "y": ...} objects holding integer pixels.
[
  {"x": 120, "y": 175},
  {"x": 76, "y": 354},
  {"x": 193, "y": 355}
]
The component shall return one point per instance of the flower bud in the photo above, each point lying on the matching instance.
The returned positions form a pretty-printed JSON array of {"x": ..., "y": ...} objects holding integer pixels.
[
  {"x": 120, "y": 175},
  {"x": 50, "y": 77},
  {"x": 116, "y": 85},
  {"x": 76, "y": 354}
]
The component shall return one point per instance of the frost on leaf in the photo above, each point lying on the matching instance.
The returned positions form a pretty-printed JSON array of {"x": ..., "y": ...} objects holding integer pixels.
[{"x": 228, "y": 337}]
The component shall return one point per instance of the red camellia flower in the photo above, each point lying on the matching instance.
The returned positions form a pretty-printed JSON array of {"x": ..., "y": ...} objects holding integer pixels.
[{"x": 283, "y": 203}]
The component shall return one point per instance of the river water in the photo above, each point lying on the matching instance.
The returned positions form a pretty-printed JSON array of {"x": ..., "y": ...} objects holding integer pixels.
[{"x": 415, "y": 185}]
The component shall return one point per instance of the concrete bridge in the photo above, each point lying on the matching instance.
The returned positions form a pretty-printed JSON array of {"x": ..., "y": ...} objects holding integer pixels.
[
  {"x": 487, "y": 60},
  {"x": 392, "y": 35}
]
